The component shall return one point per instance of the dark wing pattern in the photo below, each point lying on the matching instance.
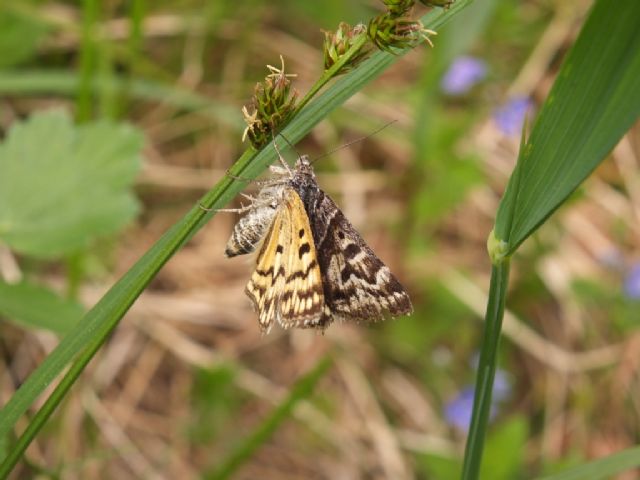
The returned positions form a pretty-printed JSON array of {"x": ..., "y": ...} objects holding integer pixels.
[{"x": 357, "y": 285}]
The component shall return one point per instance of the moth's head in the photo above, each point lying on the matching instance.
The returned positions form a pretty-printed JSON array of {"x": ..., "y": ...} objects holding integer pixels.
[
  {"x": 303, "y": 165},
  {"x": 303, "y": 160}
]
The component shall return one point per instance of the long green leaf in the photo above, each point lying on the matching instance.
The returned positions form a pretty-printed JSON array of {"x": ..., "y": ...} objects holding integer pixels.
[
  {"x": 603, "y": 468},
  {"x": 84, "y": 340},
  {"x": 54, "y": 82},
  {"x": 594, "y": 101},
  {"x": 486, "y": 371}
]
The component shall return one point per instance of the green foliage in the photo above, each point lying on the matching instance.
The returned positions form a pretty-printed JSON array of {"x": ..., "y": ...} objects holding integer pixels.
[
  {"x": 329, "y": 12},
  {"x": 593, "y": 102},
  {"x": 56, "y": 82},
  {"x": 503, "y": 460},
  {"x": 19, "y": 37},
  {"x": 606, "y": 300},
  {"x": 506, "y": 453},
  {"x": 79, "y": 346},
  {"x": 38, "y": 307},
  {"x": 215, "y": 401},
  {"x": 302, "y": 389},
  {"x": 62, "y": 186},
  {"x": 440, "y": 178},
  {"x": 601, "y": 469},
  {"x": 437, "y": 322}
]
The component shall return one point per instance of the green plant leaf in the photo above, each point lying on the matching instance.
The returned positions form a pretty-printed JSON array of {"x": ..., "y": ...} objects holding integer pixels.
[
  {"x": 19, "y": 37},
  {"x": 65, "y": 83},
  {"x": 35, "y": 306},
  {"x": 505, "y": 453},
  {"x": 593, "y": 102},
  {"x": 61, "y": 186},
  {"x": 215, "y": 402},
  {"x": 603, "y": 468},
  {"x": 504, "y": 456}
]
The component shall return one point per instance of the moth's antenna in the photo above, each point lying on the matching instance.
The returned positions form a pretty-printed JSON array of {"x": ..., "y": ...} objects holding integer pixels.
[
  {"x": 288, "y": 143},
  {"x": 330, "y": 152},
  {"x": 280, "y": 157}
]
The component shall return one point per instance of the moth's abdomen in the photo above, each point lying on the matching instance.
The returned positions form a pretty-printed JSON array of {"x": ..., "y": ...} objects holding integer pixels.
[{"x": 249, "y": 231}]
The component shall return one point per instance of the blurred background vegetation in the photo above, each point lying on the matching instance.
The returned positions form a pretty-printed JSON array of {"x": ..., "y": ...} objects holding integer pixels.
[{"x": 117, "y": 116}]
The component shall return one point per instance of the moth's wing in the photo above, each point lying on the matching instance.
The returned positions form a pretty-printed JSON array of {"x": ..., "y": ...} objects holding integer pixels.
[
  {"x": 267, "y": 281},
  {"x": 357, "y": 285},
  {"x": 302, "y": 302},
  {"x": 286, "y": 285}
]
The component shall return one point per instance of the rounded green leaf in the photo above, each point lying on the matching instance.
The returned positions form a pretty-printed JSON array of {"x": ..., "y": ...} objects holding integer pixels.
[
  {"x": 63, "y": 185},
  {"x": 34, "y": 306},
  {"x": 19, "y": 37}
]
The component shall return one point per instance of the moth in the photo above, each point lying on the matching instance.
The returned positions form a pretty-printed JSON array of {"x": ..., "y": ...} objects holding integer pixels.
[{"x": 312, "y": 267}]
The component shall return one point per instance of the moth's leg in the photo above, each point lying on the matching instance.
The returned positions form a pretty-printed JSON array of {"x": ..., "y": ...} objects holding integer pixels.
[
  {"x": 255, "y": 203},
  {"x": 276, "y": 170},
  {"x": 270, "y": 183},
  {"x": 252, "y": 180},
  {"x": 242, "y": 209},
  {"x": 224, "y": 210},
  {"x": 261, "y": 183},
  {"x": 251, "y": 198}
]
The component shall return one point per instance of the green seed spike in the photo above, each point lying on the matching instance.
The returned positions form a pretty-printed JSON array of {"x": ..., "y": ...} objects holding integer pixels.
[
  {"x": 337, "y": 43},
  {"x": 273, "y": 103}
]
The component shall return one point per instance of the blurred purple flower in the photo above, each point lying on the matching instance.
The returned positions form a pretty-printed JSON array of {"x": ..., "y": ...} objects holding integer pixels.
[
  {"x": 510, "y": 116},
  {"x": 632, "y": 282},
  {"x": 457, "y": 412},
  {"x": 463, "y": 74}
]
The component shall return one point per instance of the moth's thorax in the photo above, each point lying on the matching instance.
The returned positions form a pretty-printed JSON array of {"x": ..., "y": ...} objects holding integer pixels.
[{"x": 303, "y": 177}]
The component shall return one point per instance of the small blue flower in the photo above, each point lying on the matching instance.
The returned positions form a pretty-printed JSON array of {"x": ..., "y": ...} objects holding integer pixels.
[
  {"x": 510, "y": 116},
  {"x": 632, "y": 283},
  {"x": 458, "y": 411},
  {"x": 463, "y": 74}
]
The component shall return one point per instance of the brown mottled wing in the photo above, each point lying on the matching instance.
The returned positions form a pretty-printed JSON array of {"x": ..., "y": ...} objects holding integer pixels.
[
  {"x": 357, "y": 285},
  {"x": 286, "y": 285}
]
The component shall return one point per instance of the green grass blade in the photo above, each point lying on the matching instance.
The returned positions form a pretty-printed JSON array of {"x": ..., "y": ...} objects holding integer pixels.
[
  {"x": 603, "y": 468},
  {"x": 53, "y": 82},
  {"x": 486, "y": 370},
  {"x": 88, "y": 59},
  {"x": 301, "y": 390},
  {"x": 82, "y": 342},
  {"x": 137, "y": 9},
  {"x": 593, "y": 102}
]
